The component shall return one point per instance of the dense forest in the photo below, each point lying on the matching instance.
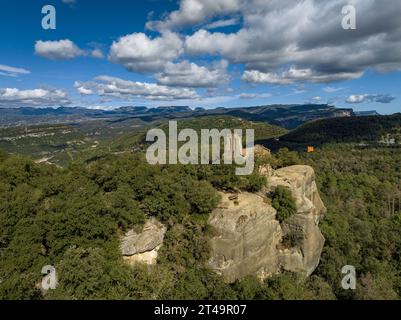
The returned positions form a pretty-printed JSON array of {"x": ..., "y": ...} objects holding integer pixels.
[
  {"x": 72, "y": 218},
  {"x": 362, "y": 191},
  {"x": 366, "y": 130}
]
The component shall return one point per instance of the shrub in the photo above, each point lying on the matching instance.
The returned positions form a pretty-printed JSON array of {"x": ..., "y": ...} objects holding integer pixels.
[
  {"x": 294, "y": 238},
  {"x": 284, "y": 158},
  {"x": 284, "y": 203},
  {"x": 202, "y": 197},
  {"x": 255, "y": 182}
]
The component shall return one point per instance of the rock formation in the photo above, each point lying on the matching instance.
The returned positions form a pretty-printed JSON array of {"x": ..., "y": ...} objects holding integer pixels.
[
  {"x": 143, "y": 247},
  {"x": 250, "y": 239}
]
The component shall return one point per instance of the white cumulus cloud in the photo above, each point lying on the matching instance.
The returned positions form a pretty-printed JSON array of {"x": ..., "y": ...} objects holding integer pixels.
[
  {"x": 82, "y": 90},
  {"x": 63, "y": 50},
  {"x": 189, "y": 74},
  {"x": 13, "y": 97},
  {"x": 58, "y": 50},
  {"x": 293, "y": 75},
  {"x": 378, "y": 98},
  {"x": 106, "y": 86},
  {"x": 192, "y": 12},
  {"x": 139, "y": 53},
  {"x": 307, "y": 35}
]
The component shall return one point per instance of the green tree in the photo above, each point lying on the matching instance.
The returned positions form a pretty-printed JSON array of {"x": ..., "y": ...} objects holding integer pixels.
[{"x": 284, "y": 203}]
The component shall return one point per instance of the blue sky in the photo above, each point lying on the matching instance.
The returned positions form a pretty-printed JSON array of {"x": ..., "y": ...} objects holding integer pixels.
[{"x": 206, "y": 53}]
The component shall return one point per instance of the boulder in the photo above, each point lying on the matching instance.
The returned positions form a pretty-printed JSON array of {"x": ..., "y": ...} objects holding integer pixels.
[{"x": 143, "y": 246}]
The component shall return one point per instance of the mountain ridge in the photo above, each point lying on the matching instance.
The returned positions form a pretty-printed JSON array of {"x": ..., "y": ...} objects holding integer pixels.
[{"x": 287, "y": 116}]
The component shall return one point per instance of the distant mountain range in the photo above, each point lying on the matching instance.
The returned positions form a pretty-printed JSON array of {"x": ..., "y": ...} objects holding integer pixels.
[{"x": 287, "y": 116}]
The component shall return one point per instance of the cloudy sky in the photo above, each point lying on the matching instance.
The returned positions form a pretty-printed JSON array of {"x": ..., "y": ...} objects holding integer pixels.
[{"x": 201, "y": 53}]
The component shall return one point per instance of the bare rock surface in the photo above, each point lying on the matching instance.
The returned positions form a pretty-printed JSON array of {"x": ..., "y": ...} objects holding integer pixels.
[
  {"x": 249, "y": 238},
  {"x": 148, "y": 257},
  {"x": 143, "y": 246}
]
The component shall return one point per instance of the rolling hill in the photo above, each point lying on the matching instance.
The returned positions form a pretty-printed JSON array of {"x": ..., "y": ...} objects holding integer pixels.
[{"x": 370, "y": 130}]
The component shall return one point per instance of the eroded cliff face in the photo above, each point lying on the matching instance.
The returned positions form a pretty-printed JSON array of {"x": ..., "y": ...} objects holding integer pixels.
[{"x": 250, "y": 240}]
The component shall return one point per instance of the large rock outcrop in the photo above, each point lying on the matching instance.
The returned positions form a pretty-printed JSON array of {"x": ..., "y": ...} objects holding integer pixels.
[
  {"x": 143, "y": 247},
  {"x": 250, "y": 240}
]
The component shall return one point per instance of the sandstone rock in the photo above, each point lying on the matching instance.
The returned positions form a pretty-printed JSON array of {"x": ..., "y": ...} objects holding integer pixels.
[
  {"x": 143, "y": 246},
  {"x": 260, "y": 150},
  {"x": 301, "y": 181},
  {"x": 248, "y": 234},
  {"x": 249, "y": 238},
  {"x": 148, "y": 257}
]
